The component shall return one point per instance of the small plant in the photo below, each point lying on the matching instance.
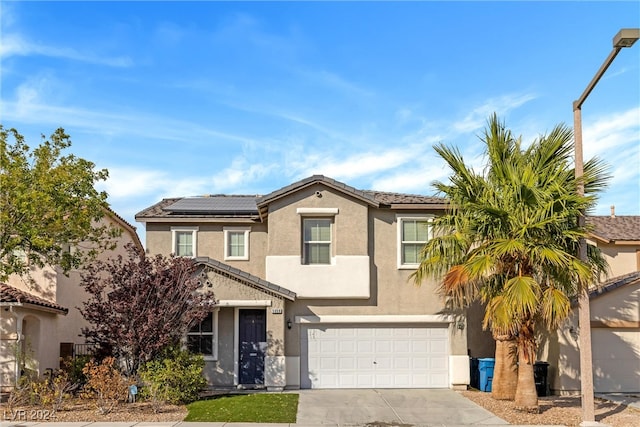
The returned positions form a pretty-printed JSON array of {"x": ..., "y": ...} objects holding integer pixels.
[
  {"x": 105, "y": 384},
  {"x": 21, "y": 394},
  {"x": 49, "y": 391},
  {"x": 177, "y": 378},
  {"x": 60, "y": 387},
  {"x": 73, "y": 366}
]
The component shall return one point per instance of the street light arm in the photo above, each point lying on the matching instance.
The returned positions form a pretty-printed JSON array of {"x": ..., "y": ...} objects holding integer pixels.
[{"x": 612, "y": 55}]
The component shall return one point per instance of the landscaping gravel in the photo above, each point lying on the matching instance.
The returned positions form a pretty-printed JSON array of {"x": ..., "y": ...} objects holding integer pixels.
[
  {"x": 557, "y": 410},
  {"x": 82, "y": 410}
]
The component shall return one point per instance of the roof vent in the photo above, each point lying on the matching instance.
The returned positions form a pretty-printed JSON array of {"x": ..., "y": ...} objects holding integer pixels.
[{"x": 613, "y": 211}]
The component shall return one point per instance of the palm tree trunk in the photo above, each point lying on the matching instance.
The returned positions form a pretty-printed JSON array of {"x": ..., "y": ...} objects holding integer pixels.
[
  {"x": 505, "y": 372},
  {"x": 526, "y": 393}
]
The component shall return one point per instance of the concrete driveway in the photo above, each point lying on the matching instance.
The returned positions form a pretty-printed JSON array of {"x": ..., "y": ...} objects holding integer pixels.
[{"x": 391, "y": 407}]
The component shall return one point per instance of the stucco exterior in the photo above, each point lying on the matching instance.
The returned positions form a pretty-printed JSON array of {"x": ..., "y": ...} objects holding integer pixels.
[
  {"x": 362, "y": 284},
  {"x": 615, "y": 317},
  {"x": 38, "y": 330}
]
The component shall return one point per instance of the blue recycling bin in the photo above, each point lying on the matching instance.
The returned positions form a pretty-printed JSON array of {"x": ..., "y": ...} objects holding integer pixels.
[{"x": 485, "y": 366}]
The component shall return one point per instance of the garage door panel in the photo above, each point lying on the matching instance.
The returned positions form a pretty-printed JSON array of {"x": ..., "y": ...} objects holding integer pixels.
[
  {"x": 615, "y": 360},
  {"x": 402, "y": 363},
  {"x": 420, "y": 346},
  {"x": 375, "y": 356},
  {"x": 383, "y": 346}
]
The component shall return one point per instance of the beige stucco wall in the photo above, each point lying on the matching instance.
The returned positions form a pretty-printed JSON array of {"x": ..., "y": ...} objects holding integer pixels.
[
  {"x": 350, "y": 230},
  {"x": 393, "y": 293},
  {"x": 622, "y": 259},
  {"x": 227, "y": 290},
  {"x": 210, "y": 242},
  {"x": 51, "y": 284},
  {"x": 221, "y": 372},
  {"x": 615, "y": 345}
]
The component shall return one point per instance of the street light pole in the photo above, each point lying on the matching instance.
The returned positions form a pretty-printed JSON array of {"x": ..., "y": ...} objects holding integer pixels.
[{"x": 625, "y": 38}]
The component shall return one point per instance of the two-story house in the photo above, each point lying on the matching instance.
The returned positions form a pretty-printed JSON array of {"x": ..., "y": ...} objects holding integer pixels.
[
  {"x": 313, "y": 290},
  {"x": 39, "y": 318},
  {"x": 615, "y": 316}
]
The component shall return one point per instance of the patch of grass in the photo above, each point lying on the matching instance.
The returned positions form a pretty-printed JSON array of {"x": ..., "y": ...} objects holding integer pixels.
[{"x": 247, "y": 408}]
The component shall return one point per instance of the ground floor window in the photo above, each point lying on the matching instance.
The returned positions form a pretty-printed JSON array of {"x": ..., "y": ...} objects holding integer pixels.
[{"x": 202, "y": 337}]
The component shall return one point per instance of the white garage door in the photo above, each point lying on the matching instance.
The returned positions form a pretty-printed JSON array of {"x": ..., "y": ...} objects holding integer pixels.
[
  {"x": 615, "y": 360},
  {"x": 377, "y": 356}
]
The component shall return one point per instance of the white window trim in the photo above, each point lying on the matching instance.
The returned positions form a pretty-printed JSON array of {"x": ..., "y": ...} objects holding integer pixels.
[
  {"x": 194, "y": 240},
  {"x": 246, "y": 231},
  {"x": 317, "y": 211},
  {"x": 399, "y": 220},
  {"x": 214, "y": 344},
  {"x": 332, "y": 220}
]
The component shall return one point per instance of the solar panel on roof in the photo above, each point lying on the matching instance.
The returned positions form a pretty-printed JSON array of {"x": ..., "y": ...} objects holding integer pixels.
[{"x": 225, "y": 204}]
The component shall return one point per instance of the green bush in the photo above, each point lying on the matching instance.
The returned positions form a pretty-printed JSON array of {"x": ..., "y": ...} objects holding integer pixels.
[
  {"x": 177, "y": 378},
  {"x": 73, "y": 367}
]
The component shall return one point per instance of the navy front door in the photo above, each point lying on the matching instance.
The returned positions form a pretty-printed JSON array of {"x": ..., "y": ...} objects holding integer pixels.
[{"x": 253, "y": 343}]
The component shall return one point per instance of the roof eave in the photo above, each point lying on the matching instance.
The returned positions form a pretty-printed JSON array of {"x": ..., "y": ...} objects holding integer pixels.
[
  {"x": 420, "y": 206},
  {"x": 63, "y": 311},
  {"x": 263, "y": 202}
]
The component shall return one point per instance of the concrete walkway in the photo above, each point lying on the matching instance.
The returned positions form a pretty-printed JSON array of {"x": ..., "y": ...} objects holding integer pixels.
[{"x": 391, "y": 407}]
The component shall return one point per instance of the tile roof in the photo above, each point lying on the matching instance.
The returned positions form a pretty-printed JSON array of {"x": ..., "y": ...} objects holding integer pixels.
[
  {"x": 242, "y": 206},
  {"x": 387, "y": 198},
  {"x": 14, "y": 296},
  {"x": 244, "y": 276},
  {"x": 359, "y": 194},
  {"x": 615, "y": 283},
  {"x": 615, "y": 228}
]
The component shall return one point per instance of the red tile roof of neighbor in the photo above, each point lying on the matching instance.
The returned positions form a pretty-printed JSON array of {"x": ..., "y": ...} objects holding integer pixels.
[
  {"x": 615, "y": 228},
  {"x": 14, "y": 296}
]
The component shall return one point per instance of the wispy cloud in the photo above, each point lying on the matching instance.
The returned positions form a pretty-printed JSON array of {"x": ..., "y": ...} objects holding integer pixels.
[
  {"x": 15, "y": 45},
  {"x": 611, "y": 132},
  {"x": 477, "y": 118},
  {"x": 241, "y": 174},
  {"x": 336, "y": 82},
  {"x": 131, "y": 184},
  {"x": 26, "y": 109}
]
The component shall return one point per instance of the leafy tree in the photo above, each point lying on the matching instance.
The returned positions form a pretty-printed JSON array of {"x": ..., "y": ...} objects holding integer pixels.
[
  {"x": 48, "y": 203},
  {"x": 510, "y": 240},
  {"x": 139, "y": 305}
]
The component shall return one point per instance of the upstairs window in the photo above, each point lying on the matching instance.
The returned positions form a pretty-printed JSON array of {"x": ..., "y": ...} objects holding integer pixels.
[
  {"x": 236, "y": 243},
  {"x": 413, "y": 234},
  {"x": 184, "y": 241},
  {"x": 317, "y": 241}
]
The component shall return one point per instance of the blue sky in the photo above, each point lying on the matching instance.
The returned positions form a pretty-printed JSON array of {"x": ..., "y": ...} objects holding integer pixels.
[{"x": 183, "y": 99}]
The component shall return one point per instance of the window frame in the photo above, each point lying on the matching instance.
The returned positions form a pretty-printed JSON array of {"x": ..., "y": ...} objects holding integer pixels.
[
  {"x": 401, "y": 219},
  {"x": 194, "y": 240},
  {"x": 213, "y": 333},
  {"x": 305, "y": 256},
  {"x": 229, "y": 230}
]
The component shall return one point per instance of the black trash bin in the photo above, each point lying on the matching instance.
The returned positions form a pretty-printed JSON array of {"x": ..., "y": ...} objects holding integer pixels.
[
  {"x": 540, "y": 376},
  {"x": 474, "y": 370}
]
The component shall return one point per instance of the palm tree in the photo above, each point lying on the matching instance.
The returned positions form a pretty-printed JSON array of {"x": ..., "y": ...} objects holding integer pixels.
[{"x": 510, "y": 240}]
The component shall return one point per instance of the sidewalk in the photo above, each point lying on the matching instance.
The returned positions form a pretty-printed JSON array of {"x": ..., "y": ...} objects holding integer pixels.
[{"x": 196, "y": 424}]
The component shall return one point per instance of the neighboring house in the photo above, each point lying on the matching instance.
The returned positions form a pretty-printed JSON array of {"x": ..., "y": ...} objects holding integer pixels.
[
  {"x": 313, "y": 289},
  {"x": 615, "y": 316},
  {"x": 40, "y": 319}
]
